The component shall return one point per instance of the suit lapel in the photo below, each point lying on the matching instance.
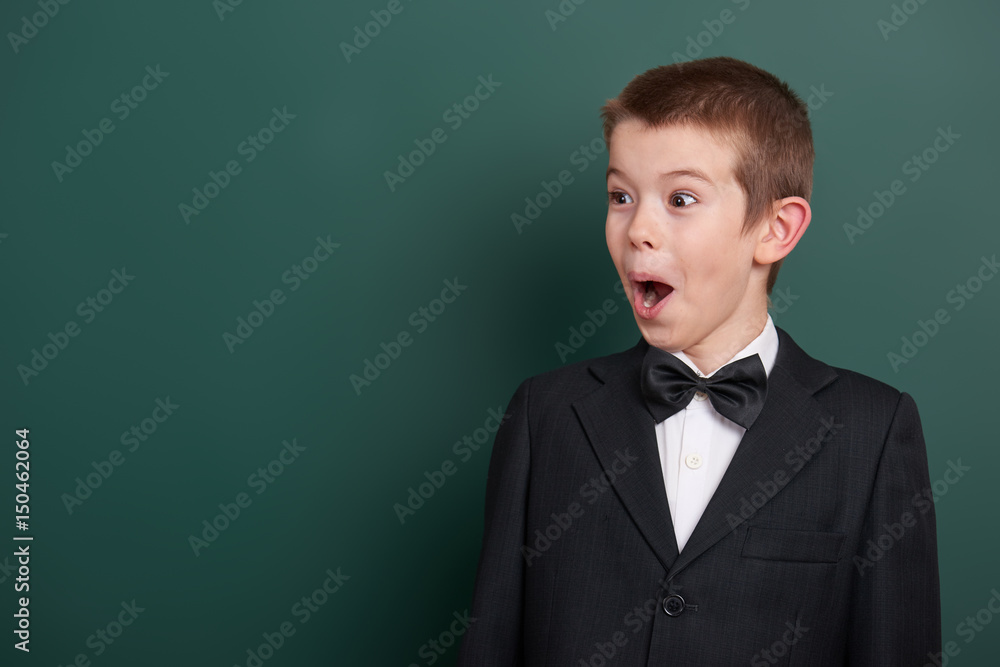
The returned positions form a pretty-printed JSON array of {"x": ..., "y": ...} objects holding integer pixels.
[
  {"x": 762, "y": 465},
  {"x": 615, "y": 416}
]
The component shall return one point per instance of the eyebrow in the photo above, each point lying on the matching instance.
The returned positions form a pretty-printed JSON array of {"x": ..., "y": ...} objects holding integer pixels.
[{"x": 689, "y": 172}]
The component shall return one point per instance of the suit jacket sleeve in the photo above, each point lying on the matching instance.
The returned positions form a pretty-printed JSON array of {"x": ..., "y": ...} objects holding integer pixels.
[
  {"x": 494, "y": 638},
  {"x": 895, "y": 616}
]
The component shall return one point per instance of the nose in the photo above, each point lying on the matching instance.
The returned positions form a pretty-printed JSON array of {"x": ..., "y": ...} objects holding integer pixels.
[{"x": 643, "y": 230}]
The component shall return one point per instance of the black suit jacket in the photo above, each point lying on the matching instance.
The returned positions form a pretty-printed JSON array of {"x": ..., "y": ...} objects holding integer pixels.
[{"x": 818, "y": 548}]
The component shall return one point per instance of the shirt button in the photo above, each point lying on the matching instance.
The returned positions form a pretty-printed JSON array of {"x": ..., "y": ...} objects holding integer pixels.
[
  {"x": 693, "y": 461},
  {"x": 700, "y": 396}
]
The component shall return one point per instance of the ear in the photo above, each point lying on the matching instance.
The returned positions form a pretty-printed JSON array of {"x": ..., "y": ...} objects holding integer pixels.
[{"x": 783, "y": 229}]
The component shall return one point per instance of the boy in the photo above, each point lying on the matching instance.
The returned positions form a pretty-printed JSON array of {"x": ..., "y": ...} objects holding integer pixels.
[{"x": 714, "y": 495}]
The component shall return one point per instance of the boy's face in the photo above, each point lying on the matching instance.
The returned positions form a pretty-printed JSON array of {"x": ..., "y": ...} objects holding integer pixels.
[{"x": 675, "y": 215}]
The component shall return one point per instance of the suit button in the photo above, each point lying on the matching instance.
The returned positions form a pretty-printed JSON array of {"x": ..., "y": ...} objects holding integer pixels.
[{"x": 673, "y": 605}]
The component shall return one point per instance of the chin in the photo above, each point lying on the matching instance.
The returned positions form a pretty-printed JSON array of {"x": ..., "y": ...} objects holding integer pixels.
[{"x": 661, "y": 336}]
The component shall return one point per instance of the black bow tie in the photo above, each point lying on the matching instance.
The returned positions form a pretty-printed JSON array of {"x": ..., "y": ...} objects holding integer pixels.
[{"x": 737, "y": 390}]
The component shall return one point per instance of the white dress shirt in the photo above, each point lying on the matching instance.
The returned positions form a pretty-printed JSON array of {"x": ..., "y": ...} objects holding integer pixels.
[{"x": 697, "y": 443}]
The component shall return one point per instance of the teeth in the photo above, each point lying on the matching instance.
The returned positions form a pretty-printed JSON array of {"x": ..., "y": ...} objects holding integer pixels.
[{"x": 649, "y": 298}]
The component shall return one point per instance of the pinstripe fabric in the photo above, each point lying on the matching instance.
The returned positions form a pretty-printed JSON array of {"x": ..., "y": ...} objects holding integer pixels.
[{"x": 578, "y": 550}]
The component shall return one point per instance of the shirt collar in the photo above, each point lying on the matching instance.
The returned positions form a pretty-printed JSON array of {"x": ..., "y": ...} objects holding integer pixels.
[{"x": 765, "y": 345}]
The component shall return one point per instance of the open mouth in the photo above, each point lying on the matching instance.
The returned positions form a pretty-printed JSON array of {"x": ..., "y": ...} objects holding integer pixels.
[
  {"x": 649, "y": 296},
  {"x": 654, "y": 292},
  {"x": 649, "y": 293}
]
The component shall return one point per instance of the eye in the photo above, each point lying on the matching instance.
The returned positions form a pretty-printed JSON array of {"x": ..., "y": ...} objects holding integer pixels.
[
  {"x": 681, "y": 199},
  {"x": 615, "y": 197}
]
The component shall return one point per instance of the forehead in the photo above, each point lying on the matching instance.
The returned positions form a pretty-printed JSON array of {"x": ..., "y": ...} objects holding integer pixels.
[{"x": 640, "y": 152}]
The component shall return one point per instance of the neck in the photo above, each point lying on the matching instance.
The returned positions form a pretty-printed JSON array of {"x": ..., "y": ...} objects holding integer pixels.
[{"x": 723, "y": 343}]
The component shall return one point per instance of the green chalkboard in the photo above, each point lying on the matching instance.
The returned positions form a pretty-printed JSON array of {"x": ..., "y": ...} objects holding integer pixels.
[{"x": 270, "y": 268}]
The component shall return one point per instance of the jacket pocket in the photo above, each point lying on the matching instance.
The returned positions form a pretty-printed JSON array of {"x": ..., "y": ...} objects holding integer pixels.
[{"x": 803, "y": 546}]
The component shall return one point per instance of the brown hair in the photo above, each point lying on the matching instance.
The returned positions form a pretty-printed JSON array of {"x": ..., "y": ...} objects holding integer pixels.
[{"x": 751, "y": 110}]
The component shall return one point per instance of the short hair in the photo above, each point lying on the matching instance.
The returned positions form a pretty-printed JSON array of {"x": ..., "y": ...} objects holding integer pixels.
[{"x": 743, "y": 106}]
